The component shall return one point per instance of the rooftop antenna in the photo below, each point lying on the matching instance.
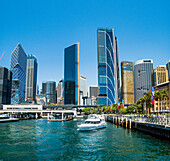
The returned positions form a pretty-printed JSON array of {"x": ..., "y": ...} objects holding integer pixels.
[{"x": 2, "y": 55}]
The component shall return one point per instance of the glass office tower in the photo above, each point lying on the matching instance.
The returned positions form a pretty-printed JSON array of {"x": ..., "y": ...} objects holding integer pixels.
[
  {"x": 49, "y": 90},
  {"x": 5, "y": 85},
  {"x": 18, "y": 68},
  {"x": 108, "y": 66},
  {"x": 71, "y": 74},
  {"x": 142, "y": 77},
  {"x": 31, "y": 77}
]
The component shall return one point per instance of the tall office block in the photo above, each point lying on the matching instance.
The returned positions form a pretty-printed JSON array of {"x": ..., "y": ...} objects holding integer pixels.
[
  {"x": 71, "y": 74},
  {"x": 5, "y": 85},
  {"x": 18, "y": 68},
  {"x": 93, "y": 93},
  {"x": 49, "y": 90},
  {"x": 82, "y": 89},
  {"x": 31, "y": 77},
  {"x": 168, "y": 68},
  {"x": 159, "y": 75},
  {"x": 60, "y": 90},
  {"x": 127, "y": 82},
  {"x": 108, "y": 66},
  {"x": 142, "y": 77}
]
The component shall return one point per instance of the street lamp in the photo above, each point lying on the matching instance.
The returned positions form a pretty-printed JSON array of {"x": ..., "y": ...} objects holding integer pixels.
[{"x": 168, "y": 114}]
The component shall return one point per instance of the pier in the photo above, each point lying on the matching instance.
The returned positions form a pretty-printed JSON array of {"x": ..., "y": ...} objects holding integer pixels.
[{"x": 155, "y": 126}]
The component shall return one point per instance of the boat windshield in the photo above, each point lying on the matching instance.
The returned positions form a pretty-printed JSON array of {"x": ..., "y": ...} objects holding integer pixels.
[{"x": 92, "y": 122}]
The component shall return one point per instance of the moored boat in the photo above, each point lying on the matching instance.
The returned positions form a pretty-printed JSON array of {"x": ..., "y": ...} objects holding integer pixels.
[
  {"x": 6, "y": 118},
  {"x": 93, "y": 122}
]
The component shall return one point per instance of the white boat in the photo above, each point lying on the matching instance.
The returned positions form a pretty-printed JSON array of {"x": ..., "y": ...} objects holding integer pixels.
[
  {"x": 93, "y": 122},
  {"x": 6, "y": 118}
]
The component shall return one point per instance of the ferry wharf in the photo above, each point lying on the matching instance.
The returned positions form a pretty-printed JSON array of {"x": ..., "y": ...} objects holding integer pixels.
[{"x": 155, "y": 126}]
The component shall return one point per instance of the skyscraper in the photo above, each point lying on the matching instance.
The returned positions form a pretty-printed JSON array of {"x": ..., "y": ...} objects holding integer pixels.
[
  {"x": 60, "y": 92},
  {"x": 142, "y": 77},
  {"x": 108, "y": 66},
  {"x": 5, "y": 85},
  {"x": 168, "y": 68},
  {"x": 93, "y": 93},
  {"x": 18, "y": 68},
  {"x": 71, "y": 74},
  {"x": 83, "y": 89},
  {"x": 49, "y": 90},
  {"x": 31, "y": 77},
  {"x": 127, "y": 82},
  {"x": 159, "y": 75}
]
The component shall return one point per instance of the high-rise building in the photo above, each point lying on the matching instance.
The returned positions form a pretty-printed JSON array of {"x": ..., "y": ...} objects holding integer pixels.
[
  {"x": 142, "y": 77},
  {"x": 5, "y": 85},
  {"x": 31, "y": 77},
  {"x": 159, "y": 75},
  {"x": 60, "y": 90},
  {"x": 168, "y": 68},
  {"x": 93, "y": 93},
  {"x": 127, "y": 82},
  {"x": 71, "y": 74},
  {"x": 49, "y": 90},
  {"x": 108, "y": 66},
  {"x": 18, "y": 68},
  {"x": 83, "y": 89}
]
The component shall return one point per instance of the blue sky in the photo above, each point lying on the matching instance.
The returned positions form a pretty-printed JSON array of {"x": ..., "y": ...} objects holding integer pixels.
[{"x": 45, "y": 28}]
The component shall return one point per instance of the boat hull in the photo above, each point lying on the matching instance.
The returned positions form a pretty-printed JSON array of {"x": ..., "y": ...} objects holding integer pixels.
[
  {"x": 9, "y": 120},
  {"x": 90, "y": 128}
]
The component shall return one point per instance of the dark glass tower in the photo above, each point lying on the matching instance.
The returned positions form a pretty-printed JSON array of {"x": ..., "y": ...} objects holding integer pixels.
[
  {"x": 49, "y": 89},
  {"x": 71, "y": 74},
  {"x": 5, "y": 85},
  {"x": 108, "y": 66},
  {"x": 31, "y": 77},
  {"x": 18, "y": 68}
]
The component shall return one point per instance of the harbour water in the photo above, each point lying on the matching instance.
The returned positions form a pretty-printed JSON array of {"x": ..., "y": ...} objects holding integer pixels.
[{"x": 43, "y": 140}]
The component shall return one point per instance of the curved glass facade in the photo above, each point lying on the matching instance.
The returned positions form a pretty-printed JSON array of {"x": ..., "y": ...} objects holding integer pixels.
[{"x": 108, "y": 66}]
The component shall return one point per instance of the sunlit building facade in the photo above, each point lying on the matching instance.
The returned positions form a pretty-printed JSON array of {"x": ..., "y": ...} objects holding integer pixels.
[
  {"x": 127, "y": 82},
  {"x": 159, "y": 75},
  {"x": 108, "y": 66},
  {"x": 168, "y": 68},
  {"x": 71, "y": 74},
  {"x": 31, "y": 77},
  {"x": 142, "y": 77}
]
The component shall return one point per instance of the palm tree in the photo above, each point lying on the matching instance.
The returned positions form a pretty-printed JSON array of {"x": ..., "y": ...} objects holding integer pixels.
[
  {"x": 164, "y": 94},
  {"x": 147, "y": 98}
]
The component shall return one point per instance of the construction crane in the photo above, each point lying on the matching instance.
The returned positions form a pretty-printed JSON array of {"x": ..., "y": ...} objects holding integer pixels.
[{"x": 2, "y": 55}]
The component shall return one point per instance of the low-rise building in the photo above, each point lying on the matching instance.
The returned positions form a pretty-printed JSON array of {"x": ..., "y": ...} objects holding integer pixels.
[{"x": 162, "y": 105}]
